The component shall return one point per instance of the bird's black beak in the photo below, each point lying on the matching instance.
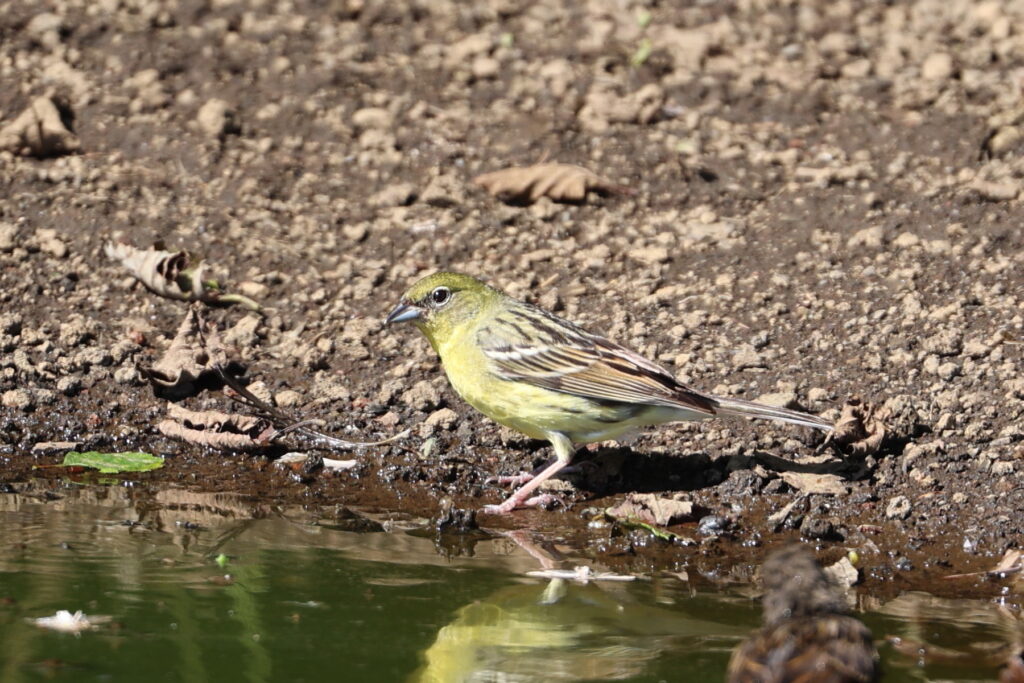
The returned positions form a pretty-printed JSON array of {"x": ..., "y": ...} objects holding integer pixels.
[{"x": 403, "y": 312}]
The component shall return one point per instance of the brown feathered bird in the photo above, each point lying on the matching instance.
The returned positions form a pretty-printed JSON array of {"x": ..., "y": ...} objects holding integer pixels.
[
  {"x": 1013, "y": 671},
  {"x": 807, "y": 637}
]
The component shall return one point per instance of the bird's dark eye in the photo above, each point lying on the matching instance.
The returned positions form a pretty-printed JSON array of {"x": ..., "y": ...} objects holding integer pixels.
[{"x": 440, "y": 296}]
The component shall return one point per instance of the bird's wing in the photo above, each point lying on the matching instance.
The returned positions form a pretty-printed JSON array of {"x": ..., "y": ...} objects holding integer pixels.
[
  {"x": 530, "y": 345},
  {"x": 830, "y": 649}
]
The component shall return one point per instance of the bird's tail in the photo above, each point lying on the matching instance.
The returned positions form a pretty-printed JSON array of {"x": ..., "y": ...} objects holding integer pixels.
[{"x": 741, "y": 408}]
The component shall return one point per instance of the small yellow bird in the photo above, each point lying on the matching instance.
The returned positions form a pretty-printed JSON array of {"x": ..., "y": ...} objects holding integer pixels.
[{"x": 548, "y": 378}]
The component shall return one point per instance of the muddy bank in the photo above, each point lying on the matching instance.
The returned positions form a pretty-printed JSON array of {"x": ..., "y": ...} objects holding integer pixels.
[{"x": 823, "y": 204}]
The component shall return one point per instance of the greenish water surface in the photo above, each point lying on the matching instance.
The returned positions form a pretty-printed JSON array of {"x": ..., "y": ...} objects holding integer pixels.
[{"x": 301, "y": 597}]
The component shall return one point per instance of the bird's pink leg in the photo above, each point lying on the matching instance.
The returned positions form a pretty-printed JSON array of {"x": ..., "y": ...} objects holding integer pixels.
[
  {"x": 518, "y": 479},
  {"x": 524, "y": 477},
  {"x": 521, "y": 498}
]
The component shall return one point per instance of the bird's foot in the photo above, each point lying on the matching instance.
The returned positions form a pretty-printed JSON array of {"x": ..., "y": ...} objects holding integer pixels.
[
  {"x": 502, "y": 509},
  {"x": 541, "y": 500},
  {"x": 527, "y": 477},
  {"x": 513, "y": 480}
]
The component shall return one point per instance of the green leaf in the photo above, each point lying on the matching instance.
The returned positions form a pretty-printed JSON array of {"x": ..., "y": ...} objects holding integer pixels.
[{"x": 112, "y": 463}]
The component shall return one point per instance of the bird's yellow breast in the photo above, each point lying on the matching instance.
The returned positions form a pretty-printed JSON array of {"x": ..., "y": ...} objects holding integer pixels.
[{"x": 532, "y": 410}]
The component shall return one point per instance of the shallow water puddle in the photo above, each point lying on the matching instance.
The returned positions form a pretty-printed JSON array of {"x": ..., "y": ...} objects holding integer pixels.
[{"x": 175, "y": 585}]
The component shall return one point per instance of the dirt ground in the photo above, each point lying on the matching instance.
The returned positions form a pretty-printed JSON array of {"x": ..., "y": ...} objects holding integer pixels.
[{"x": 825, "y": 204}]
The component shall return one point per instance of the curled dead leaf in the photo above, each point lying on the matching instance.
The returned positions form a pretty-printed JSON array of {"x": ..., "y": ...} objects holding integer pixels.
[
  {"x": 560, "y": 182},
  {"x": 216, "y": 429},
  {"x": 860, "y": 429},
  {"x": 171, "y": 275},
  {"x": 193, "y": 362},
  {"x": 654, "y": 509},
  {"x": 42, "y": 130}
]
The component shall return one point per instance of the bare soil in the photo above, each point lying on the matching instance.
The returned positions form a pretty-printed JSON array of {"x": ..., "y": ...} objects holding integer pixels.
[{"x": 826, "y": 204}]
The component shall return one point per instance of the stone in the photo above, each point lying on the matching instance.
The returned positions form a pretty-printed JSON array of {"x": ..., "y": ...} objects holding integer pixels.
[
  {"x": 1004, "y": 139},
  {"x": 938, "y": 66},
  {"x": 445, "y": 418},
  {"x": 8, "y": 237},
  {"x": 898, "y": 508},
  {"x": 216, "y": 119},
  {"x": 373, "y": 117},
  {"x": 18, "y": 399},
  {"x": 244, "y": 334},
  {"x": 287, "y": 398},
  {"x": 422, "y": 396}
]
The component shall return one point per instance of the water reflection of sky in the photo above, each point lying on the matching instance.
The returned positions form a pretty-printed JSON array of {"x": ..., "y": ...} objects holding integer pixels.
[{"x": 303, "y": 598}]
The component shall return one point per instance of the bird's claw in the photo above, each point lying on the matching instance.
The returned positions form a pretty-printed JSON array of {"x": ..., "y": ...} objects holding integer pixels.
[
  {"x": 512, "y": 480},
  {"x": 543, "y": 500},
  {"x": 511, "y": 504},
  {"x": 502, "y": 509},
  {"x": 526, "y": 477}
]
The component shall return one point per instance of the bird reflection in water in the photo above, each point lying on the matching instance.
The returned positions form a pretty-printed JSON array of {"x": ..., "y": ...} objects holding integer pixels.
[{"x": 564, "y": 630}]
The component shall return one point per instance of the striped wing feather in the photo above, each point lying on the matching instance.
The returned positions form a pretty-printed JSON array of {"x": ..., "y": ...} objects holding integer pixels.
[
  {"x": 530, "y": 345},
  {"x": 832, "y": 649}
]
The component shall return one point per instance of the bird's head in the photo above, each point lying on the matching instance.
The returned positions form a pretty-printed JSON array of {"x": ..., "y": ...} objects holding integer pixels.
[
  {"x": 795, "y": 586},
  {"x": 439, "y": 303}
]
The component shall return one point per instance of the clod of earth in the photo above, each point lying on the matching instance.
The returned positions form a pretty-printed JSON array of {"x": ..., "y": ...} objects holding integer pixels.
[
  {"x": 42, "y": 130},
  {"x": 560, "y": 182},
  {"x": 843, "y": 573}
]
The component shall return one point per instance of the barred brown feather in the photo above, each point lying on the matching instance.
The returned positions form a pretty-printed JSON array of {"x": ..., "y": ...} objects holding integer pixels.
[{"x": 806, "y": 637}]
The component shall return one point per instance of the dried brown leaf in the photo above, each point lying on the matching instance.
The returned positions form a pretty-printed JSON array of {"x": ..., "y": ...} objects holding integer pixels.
[
  {"x": 560, "y": 182},
  {"x": 654, "y": 509},
  {"x": 216, "y": 429},
  {"x": 860, "y": 429},
  {"x": 808, "y": 482},
  {"x": 192, "y": 362},
  {"x": 40, "y": 130},
  {"x": 171, "y": 275}
]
